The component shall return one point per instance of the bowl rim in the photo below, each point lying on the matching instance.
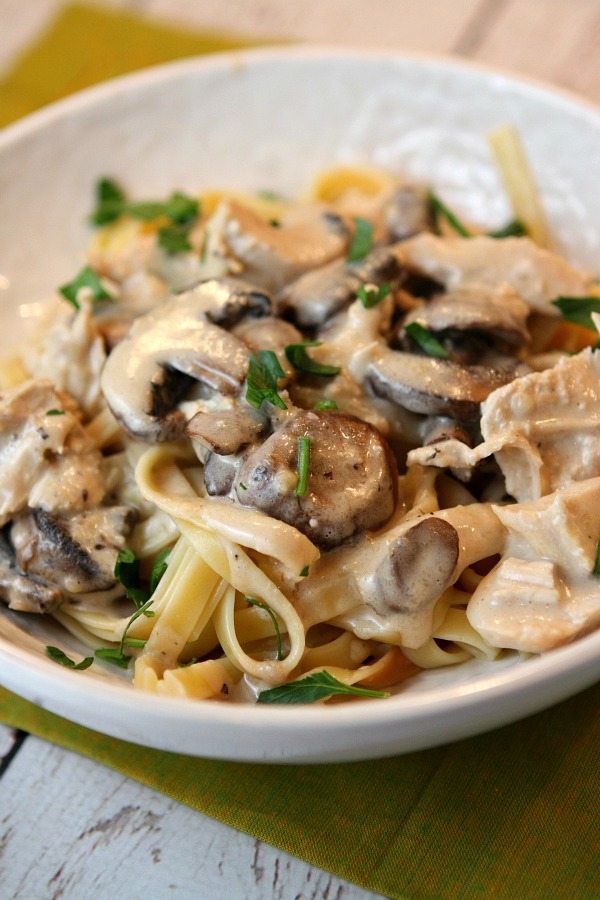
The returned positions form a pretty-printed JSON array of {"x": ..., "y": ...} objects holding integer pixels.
[{"x": 577, "y": 664}]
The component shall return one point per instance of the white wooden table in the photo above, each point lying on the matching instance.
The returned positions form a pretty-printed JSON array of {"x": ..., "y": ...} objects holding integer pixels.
[{"x": 70, "y": 828}]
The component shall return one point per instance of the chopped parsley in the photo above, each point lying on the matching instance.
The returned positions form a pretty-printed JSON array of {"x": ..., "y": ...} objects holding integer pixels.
[
  {"x": 85, "y": 278},
  {"x": 179, "y": 209},
  {"x": 174, "y": 239},
  {"x": 116, "y": 655},
  {"x": 55, "y": 412},
  {"x": 304, "y": 572},
  {"x": 578, "y": 309},
  {"x": 127, "y": 572},
  {"x": 296, "y": 354},
  {"x": 251, "y": 601},
  {"x": 370, "y": 295},
  {"x": 303, "y": 465},
  {"x": 362, "y": 240},
  {"x": 261, "y": 381},
  {"x": 325, "y": 404},
  {"x": 514, "y": 228},
  {"x": 318, "y": 686},
  {"x": 426, "y": 341},
  {"x": 58, "y": 656},
  {"x": 438, "y": 210},
  {"x": 596, "y": 569}
]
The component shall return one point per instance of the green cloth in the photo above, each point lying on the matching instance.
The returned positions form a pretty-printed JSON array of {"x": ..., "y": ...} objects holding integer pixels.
[{"x": 510, "y": 814}]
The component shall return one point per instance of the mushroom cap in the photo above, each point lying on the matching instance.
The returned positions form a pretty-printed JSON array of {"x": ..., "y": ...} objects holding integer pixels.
[
  {"x": 319, "y": 294},
  {"x": 425, "y": 384},
  {"x": 497, "y": 311},
  {"x": 352, "y": 480},
  {"x": 417, "y": 569},
  {"x": 145, "y": 375}
]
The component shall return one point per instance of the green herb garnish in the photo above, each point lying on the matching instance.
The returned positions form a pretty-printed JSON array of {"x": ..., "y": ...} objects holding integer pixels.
[
  {"x": 85, "y": 278},
  {"x": 251, "y": 601},
  {"x": 578, "y": 309},
  {"x": 514, "y": 228},
  {"x": 243, "y": 487},
  {"x": 318, "y": 686},
  {"x": 113, "y": 655},
  {"x": 362, "y": 240},
  {"x": 303, "y": 466},
  {"x": 304, "y": 572},
  {"x": 110, "y": 201},
  {"x": 596, "y": 569},
  {"x": 296, "y": 354},
  {"x": 159, "y": 567},
  {"x": 370, "y": 295},
  {"x": 116, "y": 655},
  {"x": 55, "y": 412},
  {"x": 174, "y": 239},
  {"x": 127, "y": 572},
  {"x": 325, "y": 404},
  {"x": 261, "y": 381},
  {"x": 426, "y": 341},
  {"x": 58, "y": 656},
  {"x": 438, "y": 209}
]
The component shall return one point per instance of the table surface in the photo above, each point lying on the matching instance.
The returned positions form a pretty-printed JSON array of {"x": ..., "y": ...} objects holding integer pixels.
[{"x": 112, "y": 830}]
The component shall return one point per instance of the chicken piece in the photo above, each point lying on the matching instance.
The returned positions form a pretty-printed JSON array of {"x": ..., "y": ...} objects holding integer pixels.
[
  {"x": 543, "y": 592},
  {"x": 71, "y": 355},
  {"x": 543, "y": 428},
  {"x": 46, "y": 457},
  {"x": 537, "y": 275}
]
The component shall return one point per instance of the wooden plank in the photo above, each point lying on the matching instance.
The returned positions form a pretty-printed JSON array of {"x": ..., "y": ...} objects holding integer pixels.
[
  {"x": 551, "y": 40},
  {"x": 99, "y": 835}
]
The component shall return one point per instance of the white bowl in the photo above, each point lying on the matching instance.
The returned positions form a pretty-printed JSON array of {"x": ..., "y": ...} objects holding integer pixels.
[{"x": 271, "y": 119}]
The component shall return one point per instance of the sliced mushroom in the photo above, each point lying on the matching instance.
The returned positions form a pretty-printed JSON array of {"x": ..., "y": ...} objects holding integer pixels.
[
  {"x": 275, "y": 253},
  {"x": 76, "y": 554},
  {"x": 21, "y": 593},
  {"x": 417, "y": 569},
  {"x": 424, "y": 384},
  {"x": 315, "y": 297},
  {"x": 220, "y": 473},
  {"x": 498, "y": 312},
  {"x": 148, "y": 372},
  {"x": 352, "y": 477},
  {"x": 226, "y": 431},
  {"x": 406, "y": 212},
  {"x": 537, "y": 275}
]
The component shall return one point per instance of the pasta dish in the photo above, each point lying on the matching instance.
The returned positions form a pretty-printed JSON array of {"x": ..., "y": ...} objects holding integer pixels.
[{"x": 291, "y": 451}]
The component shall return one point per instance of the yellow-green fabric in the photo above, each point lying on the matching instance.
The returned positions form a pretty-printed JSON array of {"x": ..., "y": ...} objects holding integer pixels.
[{"x": 510, "y": 814}]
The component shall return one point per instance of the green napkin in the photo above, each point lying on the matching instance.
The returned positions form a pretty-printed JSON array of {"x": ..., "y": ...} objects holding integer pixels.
[{"x": 510, "y": 814}]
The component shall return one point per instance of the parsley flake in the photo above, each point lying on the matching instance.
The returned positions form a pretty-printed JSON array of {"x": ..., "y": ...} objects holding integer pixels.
[
  {"x": 251, "y": 601},
  {"x": 578, "y": 309},
  {"x": 514, "y": 228},
  {"x": 370, "y": 295},
  {"x": 58, "y": 656},
  {"x": 261, "y": 381},
  {"x": 304, "y": 572},
  {"x": 296, "y": 354},
  {"x": 174, "y": 239},
  {"x": 426, "y": 341},
  {"x": 596, "y": 569},
  {"x": 362, "y": 240},
  {"x": 85, "y": 278},
  {"x": 325, "y": 404},
  {"x": 438, "y": 209},
  {"x": 318, "y": 686},
  {"x": 303, "y": 465},
  {"x": 55, "y": 412}
]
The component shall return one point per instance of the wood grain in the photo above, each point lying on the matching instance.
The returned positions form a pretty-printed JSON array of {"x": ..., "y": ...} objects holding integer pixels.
[{"x": 99, "y": 835}]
